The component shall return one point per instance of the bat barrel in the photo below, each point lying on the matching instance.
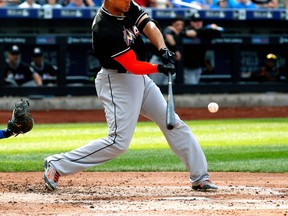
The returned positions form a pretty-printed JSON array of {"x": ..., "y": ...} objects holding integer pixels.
[{"x": 170, "y": 113}]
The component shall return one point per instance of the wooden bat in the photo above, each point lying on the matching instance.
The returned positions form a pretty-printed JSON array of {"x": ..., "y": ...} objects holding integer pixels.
[{"x": 170, "y": 112}]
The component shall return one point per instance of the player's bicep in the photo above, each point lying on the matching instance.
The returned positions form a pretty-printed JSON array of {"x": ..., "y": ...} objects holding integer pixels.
[{"x": 146, "y": 24}]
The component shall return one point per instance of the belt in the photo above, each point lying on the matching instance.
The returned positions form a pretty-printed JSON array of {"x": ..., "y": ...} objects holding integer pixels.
[
  {"x": 117, "y": 70},
  {"x": 122, "y": 71}
]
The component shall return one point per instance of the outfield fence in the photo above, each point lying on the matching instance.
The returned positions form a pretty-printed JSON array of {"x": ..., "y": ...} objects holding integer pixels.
[{"x": 181, "y": 101}]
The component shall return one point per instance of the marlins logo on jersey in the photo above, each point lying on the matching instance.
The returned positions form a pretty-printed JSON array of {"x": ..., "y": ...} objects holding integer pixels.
[{"x": 130, "y": 35}]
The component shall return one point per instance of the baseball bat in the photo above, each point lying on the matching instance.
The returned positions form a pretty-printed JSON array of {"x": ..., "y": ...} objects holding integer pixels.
[{"x": 170, "y": 113}]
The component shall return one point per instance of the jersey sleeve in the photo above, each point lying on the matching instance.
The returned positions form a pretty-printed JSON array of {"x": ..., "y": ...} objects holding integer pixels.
[
  {"x": 30, "y": 70},
  {"x": 136, "y": 12}
]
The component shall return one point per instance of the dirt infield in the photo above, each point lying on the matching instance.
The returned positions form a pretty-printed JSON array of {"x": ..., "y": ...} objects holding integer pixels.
[
  {"x": 144, "y": 194},
  {"x": 137, "y": 193}
]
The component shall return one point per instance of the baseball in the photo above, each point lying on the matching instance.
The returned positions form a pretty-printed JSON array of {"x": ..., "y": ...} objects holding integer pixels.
[{"x": 213, "y": 107}]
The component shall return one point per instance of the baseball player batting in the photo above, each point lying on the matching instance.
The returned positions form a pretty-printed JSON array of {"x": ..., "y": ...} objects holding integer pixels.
[{"x": 126, "y": 91}]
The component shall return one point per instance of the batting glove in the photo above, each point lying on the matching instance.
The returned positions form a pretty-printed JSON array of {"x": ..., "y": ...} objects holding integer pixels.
[
  {"x": 165, "y": 69},
  {"x": 167, "y": 56}
]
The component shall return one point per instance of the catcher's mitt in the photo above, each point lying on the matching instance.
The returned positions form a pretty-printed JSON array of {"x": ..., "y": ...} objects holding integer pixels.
[{"x": 21, "y": 121}]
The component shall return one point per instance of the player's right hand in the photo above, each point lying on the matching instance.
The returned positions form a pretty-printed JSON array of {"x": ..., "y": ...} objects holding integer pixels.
[
  {"x": 166, "y": 68},
  {"x": 167, "y": 56}
]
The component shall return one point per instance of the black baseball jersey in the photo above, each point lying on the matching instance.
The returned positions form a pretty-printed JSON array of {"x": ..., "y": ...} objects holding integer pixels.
[
  {"x": 46, "y": 70},
  {"x": 115, "y": 35},
  {"x": 21, "y": 74}
]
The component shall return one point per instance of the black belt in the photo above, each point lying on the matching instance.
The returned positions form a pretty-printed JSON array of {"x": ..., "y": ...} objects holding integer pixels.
[
  {"x": 118, "y": 70},
  {"x": 122, "y": 71}
]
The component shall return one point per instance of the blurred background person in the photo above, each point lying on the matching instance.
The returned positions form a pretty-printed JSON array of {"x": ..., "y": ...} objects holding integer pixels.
[
  {"x": 76, "y": 4},
  {"x": 270, "y": 70},
  {"x": 52, "y": 4},
  {"x": 87, "y": 3},
  {"x": 195, "y": 4},
  {"x": 269, "y": 4},
  {"x": 160, "y": 4},
  {"x": 2, "y": 3},
  {"x": 143, "y": 3},
  {"x": 244, "y": 4},
  {"x": 29, "y": 4},
  {"x": 9, "y": 3},
  {"x": 194, "y": 54},
  {"x": 93, "y": 3},
  {"x": 220, "y": 4},
  {"x": 47, "y": 71},
  {"x": 173, "y": 36},
  {"x": 17, "y": 72},
  {"x": 98, "y": 3}
]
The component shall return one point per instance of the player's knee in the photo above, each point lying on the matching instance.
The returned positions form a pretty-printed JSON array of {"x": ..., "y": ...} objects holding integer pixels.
[
  {"x": 121, "y": 142},
  {"x": 122, "y": 146}
]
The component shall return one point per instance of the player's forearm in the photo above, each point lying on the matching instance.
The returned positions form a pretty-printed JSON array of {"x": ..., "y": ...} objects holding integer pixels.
[
  {"x": 37, "y": 79},
  {"x": 154, "y": 35},
  {"x": 170, "y": 40},
  {"x": 190, "y": 33},
  {"x": 130, "y": 63}
]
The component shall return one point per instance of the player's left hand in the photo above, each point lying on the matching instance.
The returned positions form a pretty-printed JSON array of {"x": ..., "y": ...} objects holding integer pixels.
[
  {"x": 167, "y": 56},
  {"x": 165, "y": 69},
  {"x": 21, "y": 121}
]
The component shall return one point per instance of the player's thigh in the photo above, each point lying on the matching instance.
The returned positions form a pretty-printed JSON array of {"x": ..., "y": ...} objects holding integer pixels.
[
  {"x": 154, "y": 104},
  {"x": 121, "y": 96}
]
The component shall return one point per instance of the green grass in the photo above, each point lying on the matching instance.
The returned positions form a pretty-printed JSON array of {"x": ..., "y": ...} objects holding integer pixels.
[{"x": 246, "y": 145}]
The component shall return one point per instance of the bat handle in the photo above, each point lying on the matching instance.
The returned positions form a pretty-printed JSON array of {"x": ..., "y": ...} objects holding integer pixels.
[{"x": 169, "y": 78}]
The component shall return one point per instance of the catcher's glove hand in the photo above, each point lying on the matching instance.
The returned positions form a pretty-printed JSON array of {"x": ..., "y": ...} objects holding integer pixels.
[{"x": 21, "y": 121}]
